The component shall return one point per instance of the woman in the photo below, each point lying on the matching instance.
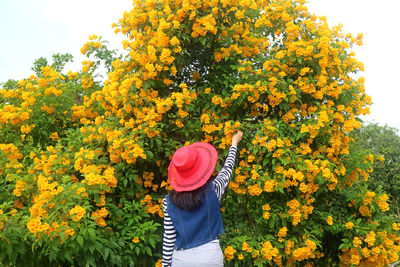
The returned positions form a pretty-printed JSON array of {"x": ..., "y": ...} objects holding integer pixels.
[{"x": 192, "y": 217}]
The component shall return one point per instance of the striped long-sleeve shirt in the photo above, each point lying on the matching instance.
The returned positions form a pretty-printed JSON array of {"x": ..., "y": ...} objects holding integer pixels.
[{"x": 220, "y": 182}]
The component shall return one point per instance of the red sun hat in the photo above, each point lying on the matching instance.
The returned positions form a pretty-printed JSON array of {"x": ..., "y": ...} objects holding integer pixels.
[{"x": 191, "y": 166}]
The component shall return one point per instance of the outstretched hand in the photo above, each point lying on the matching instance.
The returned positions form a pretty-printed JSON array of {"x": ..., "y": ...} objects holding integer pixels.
[{"x": 237, "y": 137}]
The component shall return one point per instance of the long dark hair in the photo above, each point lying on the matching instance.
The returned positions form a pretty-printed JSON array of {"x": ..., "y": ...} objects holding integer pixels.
[{"x": 188, "y": 200}]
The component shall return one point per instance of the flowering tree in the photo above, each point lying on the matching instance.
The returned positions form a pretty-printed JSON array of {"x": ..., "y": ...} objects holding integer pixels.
[
  {"x": 84, "y": 164},
  {"x": 384, "y": 142}
]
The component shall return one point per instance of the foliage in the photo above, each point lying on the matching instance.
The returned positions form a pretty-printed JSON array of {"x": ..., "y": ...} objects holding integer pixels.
[
  {"x": 384, "y": 143},
  {"x": 84, "y": 164}
]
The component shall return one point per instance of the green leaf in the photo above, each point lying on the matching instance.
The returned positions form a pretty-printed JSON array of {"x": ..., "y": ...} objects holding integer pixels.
[
  {"x": 92, "y": 233},
  {"x": 152, "y": 243},
  {"x": 80, "y": 240},
  {"x": 106, "y": 253},
  {"x": 91, "y": 248},
  {"x": 149, "y": 154},
  {"x": 148, "y": 251}
]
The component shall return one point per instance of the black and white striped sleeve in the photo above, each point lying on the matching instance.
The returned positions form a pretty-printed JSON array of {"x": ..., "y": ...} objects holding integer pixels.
[
  {"x": 221, "y": 181},
  {"x": 168, "y": 238}
]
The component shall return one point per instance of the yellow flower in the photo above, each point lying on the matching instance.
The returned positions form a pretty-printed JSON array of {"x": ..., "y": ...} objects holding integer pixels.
[
  {"x": 93, "y": 37},
  {"x": 356, "y": 242},
  {"x": 381, "y": 201},
  {"x": 72, "y": 75},
  {"x": 368, "y": 197},
  {"x": 349, "y": 225},
  {"x": 329, "y": 220},
  {"x": 34, "y": 225},
  {"x": 87, "y": 82},
  {"x": 14, "y": 212},
  {"x": 355, "y": 259},
  {"x": 229, "y": 252},
  {"x": 25, "y": 129},
  {"x": 282, "y": 232},
  {"x": 69, "y": 232},
  {"x": 293, "y": 204},
  {"x": 19, "y": 187},
  {"x": 49, "y": 110},
  {"x": 269, "y": 186},
  {"x": 135, "y": 239},
  {"x": 179, "y": 123},
  {"x": 303, "y": 253},
  {"x": 246, "y": 247},
  {"x": 254, "y": 190},
  {"x": 266, "y": 215},
  {"x": 54, "y": 136},
  {"x": 266, "y": 207},
  {"x": 311, "y": 244},
  {"x": 77, "y": 212},
  {"x": 364, "y": 211},
  {"x": 370, "y": 239},
  {"x": 159, "y": 263},
  {"x": 182, "y": 113},
  {"x": 165, "y": 56},
  {"x": 268, "y": 251},
  {"x": 365, "y": 252},
  {"x": 174, "y": 41}
]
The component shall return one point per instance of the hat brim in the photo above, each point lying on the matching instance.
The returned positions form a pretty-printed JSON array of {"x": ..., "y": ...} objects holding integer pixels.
[{"x": 206, "y": 160}]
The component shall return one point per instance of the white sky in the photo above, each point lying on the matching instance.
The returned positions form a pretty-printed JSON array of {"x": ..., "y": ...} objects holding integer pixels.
[{"x": 32, "y": 29}]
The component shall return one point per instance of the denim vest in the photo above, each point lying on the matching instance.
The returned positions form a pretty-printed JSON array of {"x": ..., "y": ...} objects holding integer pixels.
[{"x": 198, "y": 227}]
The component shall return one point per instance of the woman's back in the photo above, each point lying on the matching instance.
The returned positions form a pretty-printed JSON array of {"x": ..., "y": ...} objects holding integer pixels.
[{"x": 191, "y": 235}]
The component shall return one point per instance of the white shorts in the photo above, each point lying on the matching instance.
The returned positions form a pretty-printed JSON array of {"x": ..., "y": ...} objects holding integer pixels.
[{"x": 207, "y": 255}]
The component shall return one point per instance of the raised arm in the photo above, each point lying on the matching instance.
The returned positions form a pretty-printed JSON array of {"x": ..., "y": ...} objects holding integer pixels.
[{"x": 224, "y": 176}]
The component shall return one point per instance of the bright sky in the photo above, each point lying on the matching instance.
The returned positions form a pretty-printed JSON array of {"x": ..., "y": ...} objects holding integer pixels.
[{"x": 32, "y": 29}]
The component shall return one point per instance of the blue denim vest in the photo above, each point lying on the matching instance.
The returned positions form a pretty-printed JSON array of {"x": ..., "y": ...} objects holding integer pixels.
[{"x": 198, "y": 227}]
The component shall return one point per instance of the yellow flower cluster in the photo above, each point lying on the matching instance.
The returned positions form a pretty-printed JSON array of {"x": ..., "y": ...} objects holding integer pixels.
[
  {"x": 306, "y": 252},
  {"x": 329, "y": 220},
  {"x": 294, "y": 211},
  {"x": 229, "y": 253},
  {"x": 99, "y": 216},
  {"x": 152, "y": 207},
  {"x": 87, "y": 82},
  {"x": 268, "y": 251},
  {"x": 35, "y": 226},
  {"x": 254, "y": 190},
  {"x": 382, "y": 202},
  {"x": 77, "y": 212},
  {"x": 282, "y": 233},
  {"x": 349, "y": 225},
  {"x": 90, "y": 44},
  {"x": 246, "y": 247},
  {"x": 266, "y": 209},
  {"x": 19, "y": 187},
  {"x": 364, "y": 211},
  {"x": 368, "y": 197},
  {"x": 12, "y": 153},
  {"x": 376, "y": 248}
]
